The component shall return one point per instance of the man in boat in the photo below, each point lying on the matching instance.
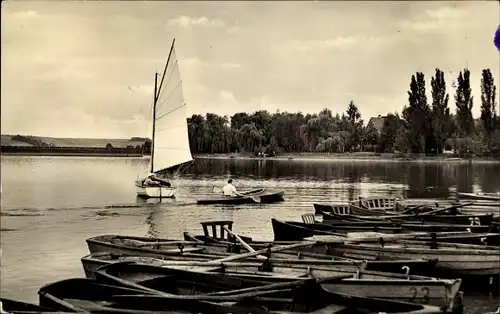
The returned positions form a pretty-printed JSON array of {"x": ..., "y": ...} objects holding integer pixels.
[
  {"x": 152, "y": 180},
  {"x": 230, "y": 190}
]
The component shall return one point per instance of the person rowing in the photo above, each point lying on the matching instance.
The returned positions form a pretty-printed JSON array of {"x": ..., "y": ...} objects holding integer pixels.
[
  {"x": 153, "y": 181},
  {"x": 229, "y": 190}
]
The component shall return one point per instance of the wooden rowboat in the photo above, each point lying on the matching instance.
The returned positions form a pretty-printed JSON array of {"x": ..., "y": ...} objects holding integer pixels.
[
  {"x": 370, "y": 284},
  {"x": 463, "y": 219},
  {"x": 254, "y": 196},
  {"x": 480, "y": 196},
  {"x": 88, "y": 296},
  {"x": 454, "y": 258},
  {"x": 298, "y": 231},
  {"x": 303, "y": 266}
]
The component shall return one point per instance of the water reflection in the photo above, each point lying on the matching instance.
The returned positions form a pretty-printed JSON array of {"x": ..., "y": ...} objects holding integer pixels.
[
  {"x": 422, "y": 179},
  {"x": 151, "y": 218}
]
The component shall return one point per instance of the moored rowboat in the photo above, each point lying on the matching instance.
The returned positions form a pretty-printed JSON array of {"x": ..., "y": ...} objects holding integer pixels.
[
  {"x": 480, "y": 196},
  {"x": 362, "y": 283},
  {"x": 458, "y": 259}
]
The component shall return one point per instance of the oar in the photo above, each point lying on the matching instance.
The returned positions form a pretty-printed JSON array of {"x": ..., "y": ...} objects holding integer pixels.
[
  {"x": 63, "y": 302},
  {"x": 376, "y": 237},
  {"x": 426, "y": 213},
  {"x": 246, "y": 245},
  {"x": 282, "y": 285},
  {"x": 444, "y": 209},
  {"x": 202, "y": 297},
  {"x": 236, "y": 295},
  {"x": 217, "y": 190},
  {"x": 256, "y": 199},
  {"x": 263, "y": 251},
  {"x": 167, "y": 243},
  {"x": 410, "y": 209}
]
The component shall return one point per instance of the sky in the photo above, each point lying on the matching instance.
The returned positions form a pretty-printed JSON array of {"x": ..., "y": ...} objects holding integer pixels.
[{"x": 86, "y": 68}]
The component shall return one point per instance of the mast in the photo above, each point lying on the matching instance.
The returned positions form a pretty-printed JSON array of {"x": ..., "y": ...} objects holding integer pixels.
[
  {"x": 156, "y": 96},
  {"x": 154, "y": 122},
  {"x": 166, "y": 65}
]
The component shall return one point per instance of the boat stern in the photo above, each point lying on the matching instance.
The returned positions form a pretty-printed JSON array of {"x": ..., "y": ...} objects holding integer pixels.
[{"x": 453, "y": 296}]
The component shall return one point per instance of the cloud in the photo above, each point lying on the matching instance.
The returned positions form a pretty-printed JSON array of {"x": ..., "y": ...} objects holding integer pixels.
[
  {"x": 228, "y": 98},
  {"x": 230, "y": 65},
  {"x": 65, "y": 73},
  {"x": 233, "y": 30},
  {"x": 445, "y": 13},
  {"x": 328, "y": 44},
  {"x": 198, "y": 63},
  {"x": 193, "y": 62},
  {"x": 23, "y": 15},
  {"x": 187, "y": 22},
  {"x": 441, "y": 19}
]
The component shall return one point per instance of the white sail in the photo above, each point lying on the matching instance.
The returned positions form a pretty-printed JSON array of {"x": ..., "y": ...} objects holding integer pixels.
[{"x": 171, "y": 139}]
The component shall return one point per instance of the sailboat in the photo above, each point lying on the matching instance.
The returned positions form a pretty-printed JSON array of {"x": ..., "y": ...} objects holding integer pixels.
[{"x": 170, "y": 140}]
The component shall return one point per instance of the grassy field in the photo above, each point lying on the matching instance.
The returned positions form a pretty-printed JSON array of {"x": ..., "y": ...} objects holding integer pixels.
[{"x": 6, "y": 140}]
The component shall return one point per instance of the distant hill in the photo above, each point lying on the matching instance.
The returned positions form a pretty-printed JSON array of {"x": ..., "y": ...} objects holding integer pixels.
[
  {"x": 28, "y": 140},
  {"x": 6, "y": 140}
]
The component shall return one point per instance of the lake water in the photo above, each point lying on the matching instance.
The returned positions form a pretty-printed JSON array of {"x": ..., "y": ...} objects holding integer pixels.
[{"x": 50, "y": 205}]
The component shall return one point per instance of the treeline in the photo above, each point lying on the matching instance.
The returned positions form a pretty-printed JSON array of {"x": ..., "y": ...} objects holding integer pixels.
[{"x": 424, "y": 126}]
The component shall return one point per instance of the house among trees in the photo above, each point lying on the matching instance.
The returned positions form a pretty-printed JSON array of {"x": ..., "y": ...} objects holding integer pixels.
[{"x": 377, "y": 123}]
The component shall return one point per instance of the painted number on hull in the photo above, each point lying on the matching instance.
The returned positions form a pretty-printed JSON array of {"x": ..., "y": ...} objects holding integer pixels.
[{"x": 422, "y": 294}]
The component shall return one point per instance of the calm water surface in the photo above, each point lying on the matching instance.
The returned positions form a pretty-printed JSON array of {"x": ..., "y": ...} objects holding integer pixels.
[{"x": 50, "y": 205}]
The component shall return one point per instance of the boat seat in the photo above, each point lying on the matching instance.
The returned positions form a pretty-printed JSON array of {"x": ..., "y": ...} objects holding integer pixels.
[
  {"x": 309, "y": 218},
  {"x": 214, "y": 225},
  {"x": 185, "y": 250},
  {"x": 197, "y": 268}
]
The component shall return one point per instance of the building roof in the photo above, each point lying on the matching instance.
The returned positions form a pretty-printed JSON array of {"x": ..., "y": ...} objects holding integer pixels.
[{"x": 377, "y": 122}]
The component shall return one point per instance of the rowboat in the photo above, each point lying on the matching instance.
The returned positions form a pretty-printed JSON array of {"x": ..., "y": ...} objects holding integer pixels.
[
  {"x": 92, "y": 262},
  {"x": 480, "y": 196},
  {"x": 298, "y": 231},
  {"x": 454, "y": 258},
  {"x": 88, "y": 296},
  {"x": 370, "y": 284},
  {"x": 304, "y": 295},
  {"x": 314, "y": 266},
  {"x": 459, "y": 218},
  {"x": 249, "y": 197}
]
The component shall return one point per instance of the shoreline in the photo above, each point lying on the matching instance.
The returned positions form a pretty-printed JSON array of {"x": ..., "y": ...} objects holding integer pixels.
[
  {"x": 59, "y": 154},
  {"x": 349, "y": 157},
  {"x": 317, "y": 157}
]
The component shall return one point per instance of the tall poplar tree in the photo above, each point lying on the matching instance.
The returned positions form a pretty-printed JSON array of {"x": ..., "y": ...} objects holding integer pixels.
[
  {"x": 417, "y": 114},
  {"x": 464, "y": 102},
  {"x": 441, "y": 117},
  {"x": 488, "y": 95}
]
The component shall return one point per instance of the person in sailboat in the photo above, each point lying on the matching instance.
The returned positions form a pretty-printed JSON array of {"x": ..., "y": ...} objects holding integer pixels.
[
  {"x": 152, "y": 180},
  {"x": 230, "y": 190}
]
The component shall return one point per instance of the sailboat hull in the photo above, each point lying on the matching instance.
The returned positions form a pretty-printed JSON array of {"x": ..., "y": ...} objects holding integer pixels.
[{"x": 155, "y": 192}]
